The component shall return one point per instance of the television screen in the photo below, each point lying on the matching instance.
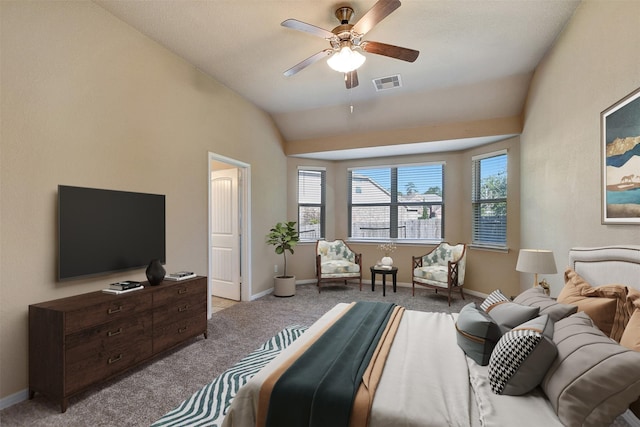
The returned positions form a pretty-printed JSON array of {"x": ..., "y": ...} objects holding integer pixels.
[{"x": 101, "y": 231}]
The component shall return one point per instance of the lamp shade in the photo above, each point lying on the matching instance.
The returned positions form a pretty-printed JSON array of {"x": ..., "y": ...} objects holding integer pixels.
[
  {"x": 346, "y": 60},
  {"x": 537, "y": 261}
]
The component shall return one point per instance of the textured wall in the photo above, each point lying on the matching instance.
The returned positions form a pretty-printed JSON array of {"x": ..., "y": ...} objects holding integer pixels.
[
  {"x": 595, "y": 62},
  {"x": 88, "y": 101}
]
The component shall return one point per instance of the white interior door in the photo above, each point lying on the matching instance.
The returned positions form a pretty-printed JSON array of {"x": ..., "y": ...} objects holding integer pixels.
[{"x": 225, "y": 235}]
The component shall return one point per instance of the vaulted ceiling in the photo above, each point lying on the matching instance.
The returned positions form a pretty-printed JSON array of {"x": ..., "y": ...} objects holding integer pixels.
[{"x": 476, "y": 61}]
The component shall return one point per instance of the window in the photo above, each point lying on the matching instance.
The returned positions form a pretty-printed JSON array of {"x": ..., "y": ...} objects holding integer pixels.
[
  {"x": 311, "y": 204},
  {"x": 489, "y": 199},
  {"x": 400, "y": 202}
]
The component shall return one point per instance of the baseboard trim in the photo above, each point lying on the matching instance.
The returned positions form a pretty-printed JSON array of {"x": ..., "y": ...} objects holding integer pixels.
[
  {"x": 12, "y": 399},
  {"x": 261, "y": 294}
]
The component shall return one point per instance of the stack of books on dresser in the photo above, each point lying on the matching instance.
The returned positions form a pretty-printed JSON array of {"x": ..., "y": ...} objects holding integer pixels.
[
  {"x": 123, "y": 287},
  {"x": 180, "y": 275}
]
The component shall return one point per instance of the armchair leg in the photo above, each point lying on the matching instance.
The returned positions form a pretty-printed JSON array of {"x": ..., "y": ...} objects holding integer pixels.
[{"x": 461, "y": 293}]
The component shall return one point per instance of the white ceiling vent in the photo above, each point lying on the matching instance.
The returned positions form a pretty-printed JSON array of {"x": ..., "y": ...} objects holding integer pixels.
[{"x": 384, "y": 83}]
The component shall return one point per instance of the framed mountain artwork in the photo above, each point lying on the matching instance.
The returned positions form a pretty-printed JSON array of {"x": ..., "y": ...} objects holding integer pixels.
[{"x": 620, "y": 125}]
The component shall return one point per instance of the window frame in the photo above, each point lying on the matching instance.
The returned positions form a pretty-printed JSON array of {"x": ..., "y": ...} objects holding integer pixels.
[
  {"x": 394, "y": 204},
  {"x": 477, "y": 201},
  {"x": 322, "y": 205}
]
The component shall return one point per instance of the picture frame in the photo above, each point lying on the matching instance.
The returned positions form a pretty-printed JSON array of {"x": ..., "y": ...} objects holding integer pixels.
[{"x": 620, "y": 145}]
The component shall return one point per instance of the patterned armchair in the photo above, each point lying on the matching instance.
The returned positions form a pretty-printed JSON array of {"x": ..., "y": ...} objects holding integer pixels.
[
  {"x": 336, "y": 261},
  {"x": 442, "y": 268}
]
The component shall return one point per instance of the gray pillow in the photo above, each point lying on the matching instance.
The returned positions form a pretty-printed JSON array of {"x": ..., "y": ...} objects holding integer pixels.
[
  {"x": 477, "y": 334},
  {"x": 522, "y": 357},
  {"x": 594, "y": 379},
  {"x": 535, "y": 297},
  {"x": 509, "y": 314}
]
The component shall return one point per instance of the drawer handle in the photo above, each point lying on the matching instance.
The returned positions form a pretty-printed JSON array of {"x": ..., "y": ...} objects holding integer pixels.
[
  {"x": 182, "y": 291},
  {"x": 115, "y": 310},
  {"x": 114, "y": 333},
  {"x": 115, "y": 359},
  {"x": 181, "y": 330},
  {"x": 183, "y": 308}
]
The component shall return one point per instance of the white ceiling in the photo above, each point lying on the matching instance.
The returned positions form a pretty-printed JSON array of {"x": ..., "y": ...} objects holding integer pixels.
[{"x": 476, "y": 60}]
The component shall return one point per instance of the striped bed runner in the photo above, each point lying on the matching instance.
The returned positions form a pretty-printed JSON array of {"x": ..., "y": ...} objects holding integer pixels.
[{"x": 208, "y": 406}]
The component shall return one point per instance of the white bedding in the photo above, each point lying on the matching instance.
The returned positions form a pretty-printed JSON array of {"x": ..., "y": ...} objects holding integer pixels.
[{"x": 426, "y": 382}]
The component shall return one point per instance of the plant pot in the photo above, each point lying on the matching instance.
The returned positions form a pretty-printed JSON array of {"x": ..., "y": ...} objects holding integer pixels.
[{"x": 284, "y": 286}]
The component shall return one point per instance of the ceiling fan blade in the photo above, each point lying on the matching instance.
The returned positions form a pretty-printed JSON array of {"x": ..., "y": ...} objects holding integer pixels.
[
  {"x": 377, "y": 13},
  {"x": 294, "y": 24},
  {"x": 310, "y": 60},
  {"x": 390, "y": 50},
  {"x": 351, "y": 79}
]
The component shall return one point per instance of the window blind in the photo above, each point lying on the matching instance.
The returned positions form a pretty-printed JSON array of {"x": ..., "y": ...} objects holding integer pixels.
[
  {"x": 396, "y": 202},
  {"x": 311, "y": 204},
  {"x": 489, "y": 199}
]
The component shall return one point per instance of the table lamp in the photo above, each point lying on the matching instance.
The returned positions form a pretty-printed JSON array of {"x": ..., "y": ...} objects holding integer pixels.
[{"x": 536, "y": 261}]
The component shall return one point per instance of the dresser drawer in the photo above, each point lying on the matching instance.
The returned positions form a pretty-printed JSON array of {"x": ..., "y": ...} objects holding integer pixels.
[
  {"x": 87, "y": 364},
  {"x": 168, "y": 293},
  {"x": 180, "y": 309},
  {"x": 85, "y": 343},
  {"x": 169, "y": 334},
  {"x": 110, "y": 308}
]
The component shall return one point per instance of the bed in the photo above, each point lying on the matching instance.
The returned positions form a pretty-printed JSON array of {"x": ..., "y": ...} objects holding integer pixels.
[{"x": 428, "y": 380}]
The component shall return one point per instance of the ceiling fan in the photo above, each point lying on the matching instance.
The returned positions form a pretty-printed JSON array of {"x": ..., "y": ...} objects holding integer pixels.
[{"x": 346, "y": 40}]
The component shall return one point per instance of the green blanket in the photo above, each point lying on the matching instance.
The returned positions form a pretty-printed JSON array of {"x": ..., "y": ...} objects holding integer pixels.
[{"x": 319, "y": 388}]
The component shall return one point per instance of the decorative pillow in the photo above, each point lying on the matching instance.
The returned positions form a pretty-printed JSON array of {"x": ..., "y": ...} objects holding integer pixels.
[
  {"x": 496, "y": 297},
  {"x": 522, "y": 357},
  {"x": 509, "y": 314},
  {"x": 477, "y": 334},
  {"x": 621, "y": 316},
  {"x": 593, "y": 379},
  {"x": 536, "y": 297},
  {"x": 631, "y": 335},
  {"x": 574, "y": 284},
  {"x": 604, "y": 304}
]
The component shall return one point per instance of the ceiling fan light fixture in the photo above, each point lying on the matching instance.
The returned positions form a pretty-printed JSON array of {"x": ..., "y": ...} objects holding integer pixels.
[{"x": 346, "y": 60}]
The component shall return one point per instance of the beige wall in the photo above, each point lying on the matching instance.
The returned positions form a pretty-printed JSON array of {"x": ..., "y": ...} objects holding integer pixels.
[
  {"x": 595, "y": 62},
  {"x": 88, "y": 101},
  {"x": 486, "y": 270}
]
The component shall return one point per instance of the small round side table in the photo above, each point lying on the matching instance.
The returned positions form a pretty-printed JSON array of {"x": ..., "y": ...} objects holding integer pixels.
[{"x": 383, "y": 271}]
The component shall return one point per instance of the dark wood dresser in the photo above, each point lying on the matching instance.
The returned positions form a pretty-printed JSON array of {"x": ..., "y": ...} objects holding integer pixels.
[{"x": 79, "y": 341}]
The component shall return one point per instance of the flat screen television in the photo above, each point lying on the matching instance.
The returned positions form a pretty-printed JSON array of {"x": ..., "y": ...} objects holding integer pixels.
[{"x": 103, "y": 231}]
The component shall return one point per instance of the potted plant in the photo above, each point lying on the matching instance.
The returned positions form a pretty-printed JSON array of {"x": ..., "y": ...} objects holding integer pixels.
[{"x": 284, "y": 237}]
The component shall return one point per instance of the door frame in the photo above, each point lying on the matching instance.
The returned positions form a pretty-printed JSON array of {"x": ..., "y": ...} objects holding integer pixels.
[{"x": 244, "y": 200}]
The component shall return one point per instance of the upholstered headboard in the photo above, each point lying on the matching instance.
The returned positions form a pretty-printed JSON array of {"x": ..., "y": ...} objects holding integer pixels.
[
  {"x": 607, "y": 265},
  {"x": 610, "y": 265}
]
